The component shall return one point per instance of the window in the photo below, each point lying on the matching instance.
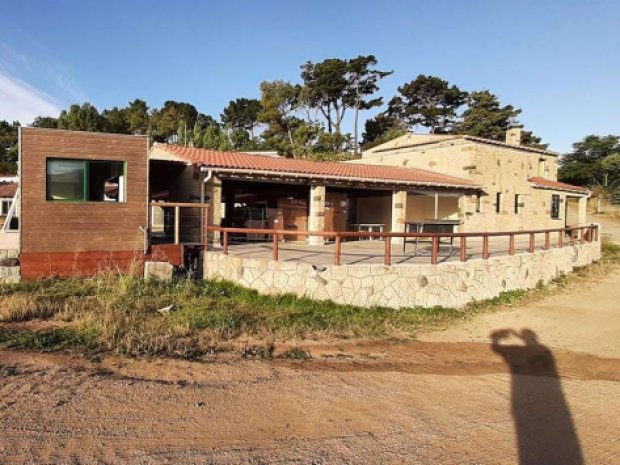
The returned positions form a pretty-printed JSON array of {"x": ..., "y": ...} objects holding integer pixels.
[
  {"x": 542, "y": 167},
  {"x": 498, "y": 202},
  {"x": 555, "y": 206},
  {"x": 85, "y": 180},
  {"x": 478, "y": 202},
  {"x": 517, "y": 203},
  {"x": 5, "y": 205}
]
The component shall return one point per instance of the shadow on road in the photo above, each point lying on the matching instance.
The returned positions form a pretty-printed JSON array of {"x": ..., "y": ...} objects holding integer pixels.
[{"x": 544, "y": 427}]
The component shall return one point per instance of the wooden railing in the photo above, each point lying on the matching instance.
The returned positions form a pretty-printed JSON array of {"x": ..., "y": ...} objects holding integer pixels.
[
  {"x": 580, "y": 234},
  {"x": 204, "y": 216}
]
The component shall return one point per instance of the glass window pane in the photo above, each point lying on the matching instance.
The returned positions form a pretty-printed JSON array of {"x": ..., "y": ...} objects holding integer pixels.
[
  {"x": 106, "y": 181},
  {"x": 65, "y": 179}
]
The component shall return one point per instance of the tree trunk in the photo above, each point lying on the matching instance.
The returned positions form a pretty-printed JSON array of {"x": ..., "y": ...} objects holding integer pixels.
[{"x": 355, "y": 136}]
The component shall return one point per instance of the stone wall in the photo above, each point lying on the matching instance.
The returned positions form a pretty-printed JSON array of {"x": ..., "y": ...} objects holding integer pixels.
[
  {"x": 451, "y": 284},
  {"x": 9, "y": 270},
  {"x": 499, "y": 169}
]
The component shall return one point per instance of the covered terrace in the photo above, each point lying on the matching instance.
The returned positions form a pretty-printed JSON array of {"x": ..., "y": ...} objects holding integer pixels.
[{"x": 248, "y": 191}]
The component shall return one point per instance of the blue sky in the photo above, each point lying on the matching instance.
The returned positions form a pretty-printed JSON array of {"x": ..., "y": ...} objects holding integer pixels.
[{"x": 557, "y": 60}]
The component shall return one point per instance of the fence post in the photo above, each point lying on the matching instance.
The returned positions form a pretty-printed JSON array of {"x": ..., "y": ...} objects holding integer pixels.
[
  {"x": 463, "y": 249},
  {"x": 532, "y": 242},
  {"x": 275, "y": 245},
  {"x": 561, "y": 238},
  {"x": 485, "y": 246},
  {"x": 225, "y": 242},
  {"x": 434, "y": 249},
  {"x": 511, "y": 244},
  {"x": 387, "y": 259},
  {"x": 547, "y": 240},
  {"x": 572, "y": 237},
  {"x": 337, "y": 250},
  {"x": 177, "y": 224}
]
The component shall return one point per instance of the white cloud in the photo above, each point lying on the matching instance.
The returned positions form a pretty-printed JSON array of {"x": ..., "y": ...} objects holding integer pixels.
[{"x": 21, "y": 102}]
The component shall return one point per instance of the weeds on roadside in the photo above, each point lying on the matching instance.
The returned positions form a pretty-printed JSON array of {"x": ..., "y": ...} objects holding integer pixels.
[{"x": 118, "y": 313}]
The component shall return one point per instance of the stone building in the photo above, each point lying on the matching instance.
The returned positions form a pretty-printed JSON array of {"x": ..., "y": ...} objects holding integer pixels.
[{"x": 519, "y": 183}]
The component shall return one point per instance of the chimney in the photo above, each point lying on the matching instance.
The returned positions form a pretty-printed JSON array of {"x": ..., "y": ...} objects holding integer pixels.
[{"x": 513, "y": 136}]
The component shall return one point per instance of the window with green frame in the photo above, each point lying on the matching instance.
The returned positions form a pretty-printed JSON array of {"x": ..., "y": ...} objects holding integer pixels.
[{"x": 85, "y": 180}]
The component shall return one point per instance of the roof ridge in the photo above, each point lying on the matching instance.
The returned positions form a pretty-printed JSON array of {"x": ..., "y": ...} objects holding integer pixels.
[
  {"x": 482, "y": 140},
  {"x": 326, "y": 169}
]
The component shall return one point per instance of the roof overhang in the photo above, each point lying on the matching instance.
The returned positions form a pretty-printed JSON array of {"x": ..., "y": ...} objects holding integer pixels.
[
  {"x": 283, "y": 176},
  {"x": 546, "y": 184}
]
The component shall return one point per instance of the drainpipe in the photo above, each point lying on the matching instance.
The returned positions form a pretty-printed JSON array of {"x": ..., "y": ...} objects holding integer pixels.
[{"x": 204, "y": 182}]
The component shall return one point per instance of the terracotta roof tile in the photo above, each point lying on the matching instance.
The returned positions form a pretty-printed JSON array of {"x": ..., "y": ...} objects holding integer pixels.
[
  {"x": 315, "y": 169},
  {"x": 556, "y": 185},
  {"x": 7, "y": 189}
]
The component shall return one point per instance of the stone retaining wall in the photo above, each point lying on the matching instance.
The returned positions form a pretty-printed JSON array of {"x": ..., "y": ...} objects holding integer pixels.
[
  {"x": 9, "y": 274},
  {"x": 452, "y": 284}
]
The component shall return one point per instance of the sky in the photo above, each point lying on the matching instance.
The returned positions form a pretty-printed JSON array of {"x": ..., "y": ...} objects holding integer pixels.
[{"x": 559, "y": 61}]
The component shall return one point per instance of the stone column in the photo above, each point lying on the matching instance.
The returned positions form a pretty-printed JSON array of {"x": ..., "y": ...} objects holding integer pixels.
[
  {"x": 582, "y": 208},
  {"x": 466, "y": 204},
  {"x": 213, "y": 194},
  {"x": 316, "y": 219},
  {"x": 399, "y": 214}
]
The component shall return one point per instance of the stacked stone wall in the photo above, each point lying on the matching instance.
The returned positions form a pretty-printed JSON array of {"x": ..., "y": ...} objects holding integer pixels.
[{"x": 451, "y": 284}]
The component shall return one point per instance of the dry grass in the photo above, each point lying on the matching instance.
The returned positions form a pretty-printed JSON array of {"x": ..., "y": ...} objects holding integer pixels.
[{"x": 113, "y": 313}]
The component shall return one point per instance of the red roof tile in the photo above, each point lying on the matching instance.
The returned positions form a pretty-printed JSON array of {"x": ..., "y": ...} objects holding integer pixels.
[
  {"x": 316, "y": 169},
  {"x": 558, "y": 186},
  {"x": 8, "y": 189}
]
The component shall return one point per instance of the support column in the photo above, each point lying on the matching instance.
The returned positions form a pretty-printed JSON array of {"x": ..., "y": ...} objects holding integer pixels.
[
  {"x": 399, "y": 214},
  {"x": 316, "y": 219},
  {"x": 582, "y": 208},
  {"x": 464, "y": 201},
  {"x": 213, "y": 194}
]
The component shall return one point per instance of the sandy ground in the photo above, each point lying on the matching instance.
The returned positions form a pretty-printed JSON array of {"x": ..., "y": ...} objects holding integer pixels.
[
  {"x": 610, "y": 226},
  {"x": 550, "y": 397}
]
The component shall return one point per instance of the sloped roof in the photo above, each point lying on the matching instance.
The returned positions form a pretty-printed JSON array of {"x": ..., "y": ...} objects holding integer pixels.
[
  {"x": 543, "y": 183},
  {"x": 313, "y": 169},
  {"x": 8, "y": 189},
  {"x": 418, "y": 140}
]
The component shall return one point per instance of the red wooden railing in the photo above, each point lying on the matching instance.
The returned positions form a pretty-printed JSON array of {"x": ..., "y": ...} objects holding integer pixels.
[{"x": 576, "y": 234}]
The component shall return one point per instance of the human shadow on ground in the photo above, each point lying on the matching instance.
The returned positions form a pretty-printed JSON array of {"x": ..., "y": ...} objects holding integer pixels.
[{"x": 544, "y": 427}]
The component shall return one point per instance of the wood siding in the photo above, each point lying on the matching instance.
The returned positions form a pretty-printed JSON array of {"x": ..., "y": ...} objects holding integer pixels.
[
  {"x": 48, "y": 226},
  {"x": 77, "y": 264}
]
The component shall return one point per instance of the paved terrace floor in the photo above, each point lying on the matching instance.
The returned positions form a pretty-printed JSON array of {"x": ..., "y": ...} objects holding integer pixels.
[{"x": 368, "y": 252}]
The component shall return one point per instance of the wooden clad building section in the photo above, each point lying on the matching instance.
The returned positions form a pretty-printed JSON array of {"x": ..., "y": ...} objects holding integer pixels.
[{"x": 65, "y": 231}]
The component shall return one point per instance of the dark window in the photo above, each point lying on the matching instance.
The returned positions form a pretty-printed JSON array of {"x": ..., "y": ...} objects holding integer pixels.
[
  {"x": 85, "y": 180},
  {"x": 517, "y": 206},
  {"x": 5, "y": 205},
  {"x": 498, "y": 202},
  {"x": 555, "y": 206},
  {"x": 478, "y": 202}
]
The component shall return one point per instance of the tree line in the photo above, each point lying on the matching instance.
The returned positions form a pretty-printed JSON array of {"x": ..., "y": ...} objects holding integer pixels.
[{"x": 305, "y": 119}]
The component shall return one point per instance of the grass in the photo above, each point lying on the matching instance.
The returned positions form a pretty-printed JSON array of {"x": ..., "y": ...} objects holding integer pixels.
[{"x": 118, "y": 314}]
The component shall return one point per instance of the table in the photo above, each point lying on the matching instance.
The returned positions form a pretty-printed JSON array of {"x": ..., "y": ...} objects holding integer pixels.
[
  {"x": 369, "y": 227},
  {"x": 429, "y": 226}
]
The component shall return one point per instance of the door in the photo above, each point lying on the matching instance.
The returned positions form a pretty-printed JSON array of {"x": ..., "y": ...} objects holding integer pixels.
[
  {"x": 294, "y": 216},
  {"x": 336, "y": 211}
]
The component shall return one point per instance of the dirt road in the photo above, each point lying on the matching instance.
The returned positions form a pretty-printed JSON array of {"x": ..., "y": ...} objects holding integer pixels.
[{"x": 452, "y": 398}]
